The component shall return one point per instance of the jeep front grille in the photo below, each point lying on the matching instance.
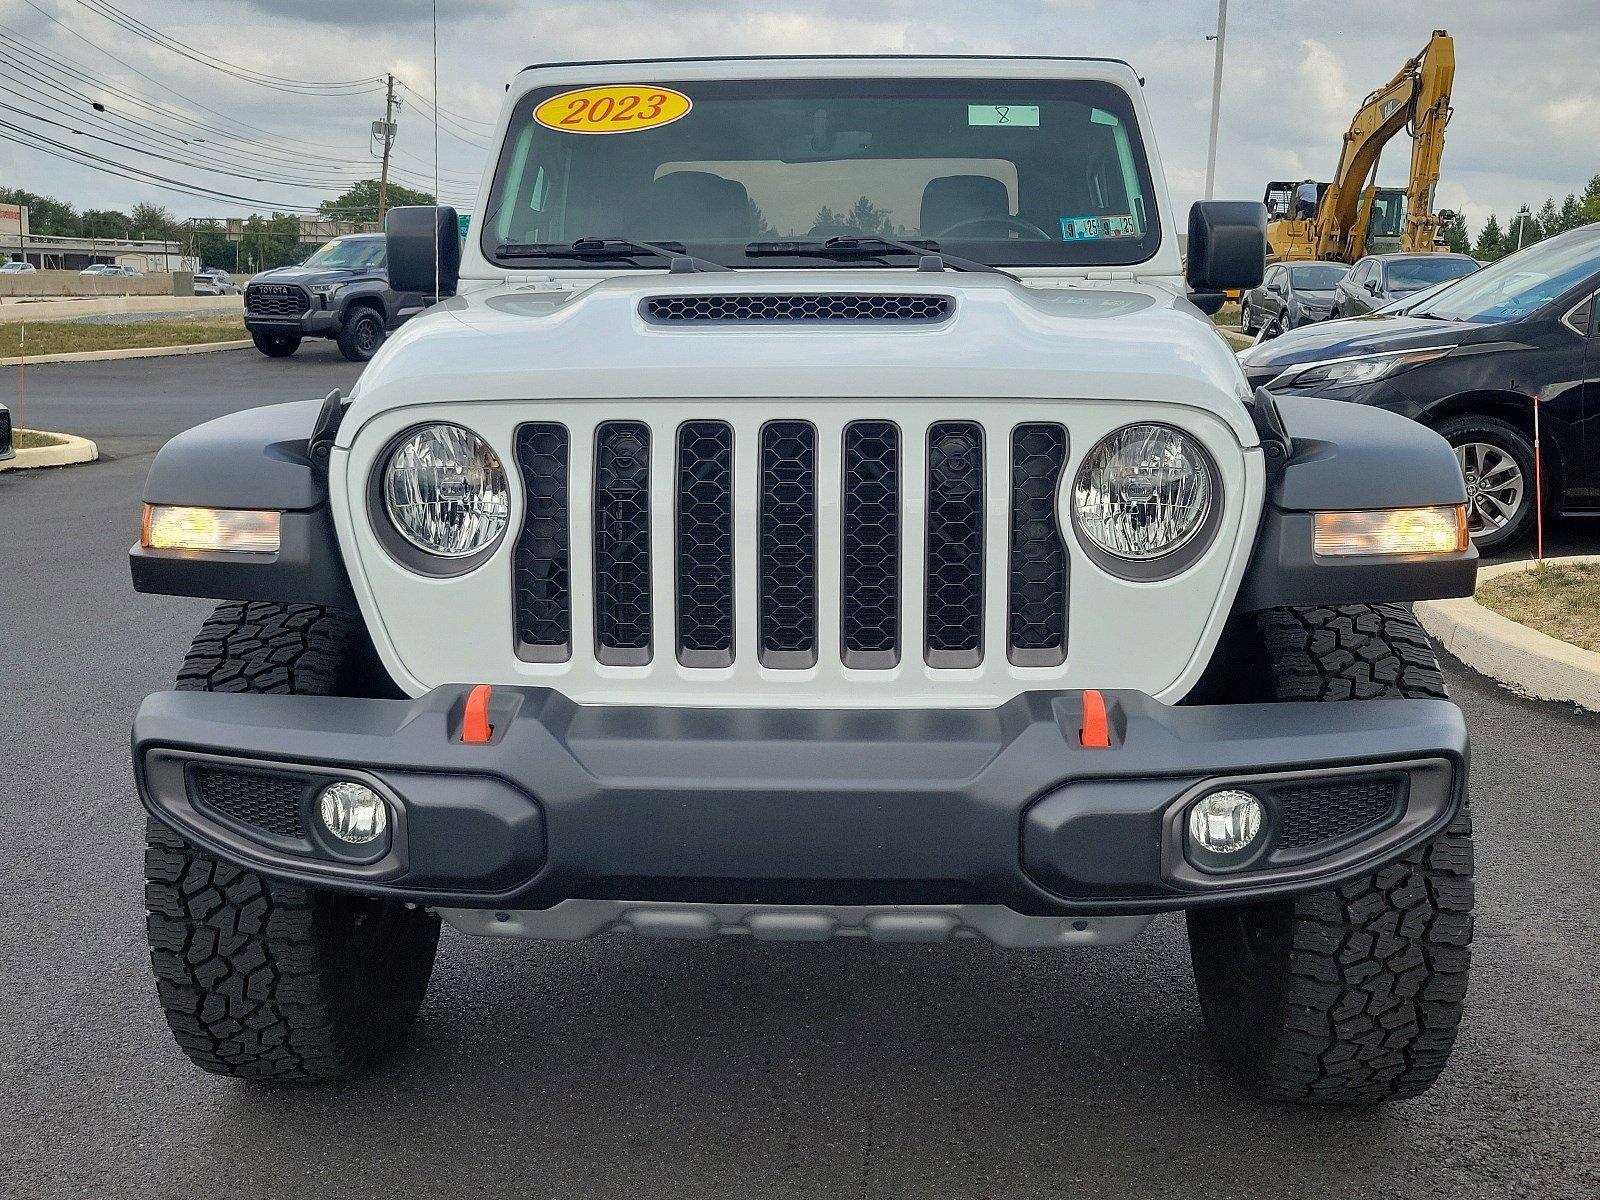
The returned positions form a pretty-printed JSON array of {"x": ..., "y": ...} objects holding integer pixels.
[
  {"x": 853, "y": 307},
  {"x": 292, "y": 302},
  {"x": 834, "y": 523}
]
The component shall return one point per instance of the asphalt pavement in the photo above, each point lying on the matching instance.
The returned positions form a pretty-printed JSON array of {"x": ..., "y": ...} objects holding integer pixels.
[{"x": 631, "y": 1068}]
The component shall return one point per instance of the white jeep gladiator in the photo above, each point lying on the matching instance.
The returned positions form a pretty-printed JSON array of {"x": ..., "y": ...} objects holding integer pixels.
[{"x": 814, "y": 507}]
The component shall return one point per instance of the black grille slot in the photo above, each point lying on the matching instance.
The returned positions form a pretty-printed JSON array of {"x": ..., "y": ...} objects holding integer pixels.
[
  {"x": 264, "y": 801},
  {"x": 1038, "y": 564},
  {"x": 290, "y": 303},
  {"x": 955, "y": 545},
  {"x": 824, "y": 306},
  {"x": 541, "y": 563},
  {"x": 705, "y": 544},
  {"x": 622, "y": 543},
  {"x": 788, "y": 549},
  {"x": 869, "y": 600},
  {"x": 1316, "y": 813}
]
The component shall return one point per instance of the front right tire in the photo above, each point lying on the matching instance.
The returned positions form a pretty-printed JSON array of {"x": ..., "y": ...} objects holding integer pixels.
[{"x": 1496, "y": 459}]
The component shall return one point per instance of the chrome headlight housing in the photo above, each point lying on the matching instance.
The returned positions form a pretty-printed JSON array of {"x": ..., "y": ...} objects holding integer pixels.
[
  {"x": 444, "y": 491},
  {"x": 1348, "y": 372},
  {"x": 1143, "y": 493}
]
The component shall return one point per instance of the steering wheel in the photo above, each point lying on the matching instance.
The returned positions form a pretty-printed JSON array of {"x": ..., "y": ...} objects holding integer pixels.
[{"x": 1008, "y": 223}]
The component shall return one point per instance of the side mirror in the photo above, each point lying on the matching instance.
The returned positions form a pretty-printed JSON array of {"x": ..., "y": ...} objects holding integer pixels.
[
  {"x": 419, "y": 237},
  {"x": 1209, "y": 303},
  {"x": 1227, "y": 245},
  {"x": 1372, "y": 286}
]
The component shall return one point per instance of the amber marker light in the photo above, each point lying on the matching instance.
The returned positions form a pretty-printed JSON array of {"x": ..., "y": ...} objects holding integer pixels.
[
  {"x": 235, "y": 530},
  {"x": 1441, "y": 529}
]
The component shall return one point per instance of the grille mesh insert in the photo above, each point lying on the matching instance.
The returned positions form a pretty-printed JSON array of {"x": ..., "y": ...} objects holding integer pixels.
[
  {"x": 1038, "y": 565},
  {"x": 839, "y": 306},
  {"x": 1320, "y": 812},
  {"x": 262, "y": 800},
  {"x": 705, "y": 543},
  {"x": 788, "y": 551},
  {"x": 954, "y": 593},
  {"x": 291, "y": 303},
  {"x": 622, "y": 542},
  {"x": 870, "y": 534},
  {"x": 541, "y": 562}
]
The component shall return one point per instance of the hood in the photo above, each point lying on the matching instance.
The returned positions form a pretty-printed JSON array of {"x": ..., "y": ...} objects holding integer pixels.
[
  {"x": 1000, "y": 339},
  {"x": 313, "y": 275},
  {"x": 1322, "y": 297},
  {"x": 1373, "y": 334}
]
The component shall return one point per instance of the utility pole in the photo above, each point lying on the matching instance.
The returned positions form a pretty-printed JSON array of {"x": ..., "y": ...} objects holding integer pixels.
[
  {"x": 1220, "y": 38},
  {"x": 388, "y": 143}
]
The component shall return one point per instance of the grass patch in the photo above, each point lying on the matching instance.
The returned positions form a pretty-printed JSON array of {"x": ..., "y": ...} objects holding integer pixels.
[
  {"x": 67, "y": 337},
  {"x": 1228, "y": 314},
  {"x": 1563, "y": 601},
  {"x": 30, "y": 439}
]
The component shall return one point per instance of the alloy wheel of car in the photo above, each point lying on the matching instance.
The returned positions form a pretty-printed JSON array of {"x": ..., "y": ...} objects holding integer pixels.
[{"x": 1494, "y": 486}]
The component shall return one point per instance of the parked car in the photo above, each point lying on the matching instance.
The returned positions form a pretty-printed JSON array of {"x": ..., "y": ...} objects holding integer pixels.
[
  {"x": 1378, "y": 279},
  {"x": 17, "y": 267},
  {"x": 745, "y": 576},
  {"x": 211, "y": 281},
  {"x": 342, "y": 292},
  {"x": 1470, "y": 362},
  {"x": 7, "y": 449},
  {"x": 1298, "y": 292},
  {"x": 95, "y": 269},
  {"x": 111, "y": 269}
]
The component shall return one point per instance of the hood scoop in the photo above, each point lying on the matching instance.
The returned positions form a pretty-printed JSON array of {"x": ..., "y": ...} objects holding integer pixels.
[{"x": 760, "y": 308}]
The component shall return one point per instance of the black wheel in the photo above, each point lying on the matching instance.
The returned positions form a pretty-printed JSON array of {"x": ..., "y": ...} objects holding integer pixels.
[
  {"x": 1350, "y": 996},
  {"x": 268, "y": 980},
  {"x": 1245, "y": 321},
  {"x": 275, "y": 345},
  {"x": 361, "y": 334},
  {"x": 1497, "y": 461}
]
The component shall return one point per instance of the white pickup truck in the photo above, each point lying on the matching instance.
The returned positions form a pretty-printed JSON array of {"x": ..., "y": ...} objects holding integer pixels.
[{"x": 813, "y": 508}]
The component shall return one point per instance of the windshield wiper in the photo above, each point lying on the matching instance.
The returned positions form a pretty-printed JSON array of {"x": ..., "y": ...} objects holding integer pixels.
[
  {"x": 874, "y": 247},
  {"x": 598, "y": 249}
]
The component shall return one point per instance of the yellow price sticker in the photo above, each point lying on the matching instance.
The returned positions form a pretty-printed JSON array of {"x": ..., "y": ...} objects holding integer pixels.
[{"x": 623, "y": 108}]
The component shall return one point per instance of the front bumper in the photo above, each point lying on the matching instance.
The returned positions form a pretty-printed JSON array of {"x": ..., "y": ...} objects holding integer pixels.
[{"x": 995, "y": 807}]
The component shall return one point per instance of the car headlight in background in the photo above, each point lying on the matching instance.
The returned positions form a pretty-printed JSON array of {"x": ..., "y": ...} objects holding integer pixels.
[
  {"x": 444, "y": 491},
  {"x": 1143, "y": 492},
  {"x": 1347, "y": 372}
]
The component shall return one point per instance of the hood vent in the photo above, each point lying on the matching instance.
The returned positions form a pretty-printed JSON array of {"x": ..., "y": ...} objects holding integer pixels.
[{"x": 855, "y": 308}]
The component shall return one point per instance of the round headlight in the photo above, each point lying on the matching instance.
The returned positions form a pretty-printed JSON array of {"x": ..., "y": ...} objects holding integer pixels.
[
  {"x": 444, "y": 491},
  {"x": 1142, "y": 492}
]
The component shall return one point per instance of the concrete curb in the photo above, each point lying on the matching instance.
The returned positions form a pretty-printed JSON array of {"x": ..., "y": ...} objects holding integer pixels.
[
  {"x": 1525, "y": 660},
  {"x": 72, "y": 450},
  {"x": 133, "y": 352},
  {"x": 67, "y": 309}
]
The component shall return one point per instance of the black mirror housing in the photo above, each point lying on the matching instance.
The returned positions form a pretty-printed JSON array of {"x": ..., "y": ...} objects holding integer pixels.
[
  {"x": 415, "y": 234},
  {"x": 1227, "y": 245}
]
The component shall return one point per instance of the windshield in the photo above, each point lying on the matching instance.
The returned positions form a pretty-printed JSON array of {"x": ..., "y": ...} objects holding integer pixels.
[
  {"x": 1519, "y": 284},
  {"x": 349, "y": 253},
  {"x": 1023, "y": 172},
  {"x": 1321, "y": 278},
  {"x": 1412, "y": 274}
]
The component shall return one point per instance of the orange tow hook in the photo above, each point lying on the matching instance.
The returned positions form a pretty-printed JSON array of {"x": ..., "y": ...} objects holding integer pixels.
[
  {"x": 475, "y": 727},
  {"x": 1096, "y": 731}
]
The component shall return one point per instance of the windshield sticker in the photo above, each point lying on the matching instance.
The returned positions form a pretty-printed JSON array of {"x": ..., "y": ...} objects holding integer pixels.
[
  {"x": 1092, "y": 229},
  {"x": 1024, "y": 115},
  {"x": 620, "y": 108}
]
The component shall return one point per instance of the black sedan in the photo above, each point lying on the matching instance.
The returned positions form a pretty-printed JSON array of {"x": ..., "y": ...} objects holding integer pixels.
[
  {"x": 1300, "y": 292},
  {"x": 1380, "y": 279},
  {"x": 6, "y": 450},
  {"x": 1472, "y": 361}
]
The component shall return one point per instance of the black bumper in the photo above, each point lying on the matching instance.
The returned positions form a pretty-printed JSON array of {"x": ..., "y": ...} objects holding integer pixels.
[
  {"x": 318, "y": 322},
  {"x": 1001, "y": 806}
]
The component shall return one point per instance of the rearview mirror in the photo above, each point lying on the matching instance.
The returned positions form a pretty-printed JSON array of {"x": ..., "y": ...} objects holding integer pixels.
[
  {"x": 415, "y": 235},
  {"x": 1227, "y": 245}
]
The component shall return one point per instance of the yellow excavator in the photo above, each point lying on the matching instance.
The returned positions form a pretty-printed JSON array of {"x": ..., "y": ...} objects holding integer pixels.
[{"x": 1354, "y": 216}]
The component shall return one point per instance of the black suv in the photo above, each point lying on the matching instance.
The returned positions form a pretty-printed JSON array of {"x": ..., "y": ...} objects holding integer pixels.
[
  {"x": 1471, "y": 361},
  {"x": 6, "y": 450},
  {"x": 342, "y": 292}
]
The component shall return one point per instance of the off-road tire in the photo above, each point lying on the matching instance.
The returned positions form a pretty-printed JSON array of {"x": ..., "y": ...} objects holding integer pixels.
[
  {"x": 361, "y": 333},
  {"x": 268, "y": 980},
  {"x": 1350, "y": 996},
  {"x": 275, "y": 345},
  {"x": 1470, "y": 427}
]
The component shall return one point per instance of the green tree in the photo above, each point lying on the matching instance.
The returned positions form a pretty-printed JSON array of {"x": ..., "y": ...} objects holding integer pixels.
[
  {"x": 869, "y": 220},
  {"x": 104, "y": 223},
  {"x": 270, "y": 242},
  {"x": 1453, "y": 233},
  {"x": 1549, "y": 218},
  {"x": 1571, "y": 213},
  {"x": 1589, "y": 202},
  {"x": 47, "y": 217},
  {"x": 1491, "y": 241},
  {"x": 151, "y": 221},
  {"x": 1522, "y": 232},
  {"x": 360, "y": 203}
]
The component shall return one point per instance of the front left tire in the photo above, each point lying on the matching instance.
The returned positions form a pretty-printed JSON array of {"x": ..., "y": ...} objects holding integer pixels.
[{"x": 361, "y": 334}]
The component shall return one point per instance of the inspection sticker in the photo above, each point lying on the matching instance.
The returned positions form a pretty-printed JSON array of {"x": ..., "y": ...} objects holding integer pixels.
[
  {"x": 1091, "y": 229},
  {"x": 619, "y": 108},
  {"x": 1024, "y": 115}
]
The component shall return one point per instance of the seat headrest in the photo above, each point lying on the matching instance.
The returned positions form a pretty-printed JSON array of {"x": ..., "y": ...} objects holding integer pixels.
[
  {"x": 690, "y": 206},
  {"x": 952, "y": 199}
]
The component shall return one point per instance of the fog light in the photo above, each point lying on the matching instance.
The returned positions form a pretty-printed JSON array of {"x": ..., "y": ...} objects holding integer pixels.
[
  {"x": 1225, "y": 822},
  {"x": 353, "y": 812},
  {"x": 1441, "y": 529}
]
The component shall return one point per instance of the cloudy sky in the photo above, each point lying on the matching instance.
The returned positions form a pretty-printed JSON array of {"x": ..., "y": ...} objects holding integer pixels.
[{"x": 1527, "y": 94}]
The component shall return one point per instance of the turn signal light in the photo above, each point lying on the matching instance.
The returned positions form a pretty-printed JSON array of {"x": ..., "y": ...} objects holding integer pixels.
[
  {"x": 241, "y": 530},
  {"x": 1441, "y": 529}
]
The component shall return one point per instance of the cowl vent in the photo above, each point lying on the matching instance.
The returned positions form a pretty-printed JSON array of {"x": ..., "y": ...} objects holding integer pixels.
[{"x": 797, "y": 307}]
